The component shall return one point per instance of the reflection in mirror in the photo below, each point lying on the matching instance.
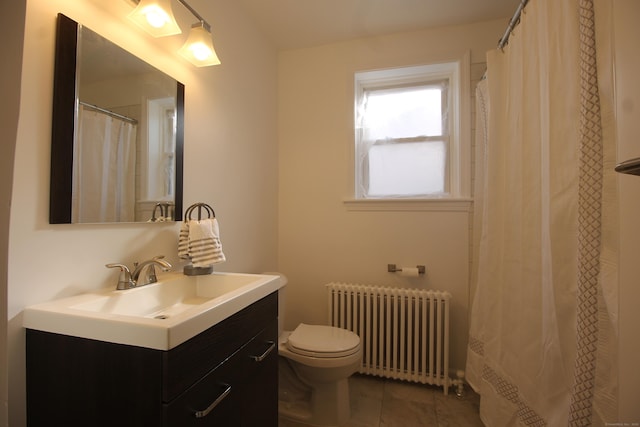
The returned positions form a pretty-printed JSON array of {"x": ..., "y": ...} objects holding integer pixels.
[{"x": 117, "y": 136}]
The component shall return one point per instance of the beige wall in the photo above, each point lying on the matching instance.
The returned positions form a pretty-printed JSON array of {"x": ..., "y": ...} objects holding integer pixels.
[
  {"x": 627, "y": 68},
  {"x": 11, "y": 30},
  {"x": 230, "y": 161},
  {"x": 320, "y": 239}
]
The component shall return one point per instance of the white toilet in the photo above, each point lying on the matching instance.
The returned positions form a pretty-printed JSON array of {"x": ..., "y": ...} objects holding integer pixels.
[{"x": 315, "y": 363}]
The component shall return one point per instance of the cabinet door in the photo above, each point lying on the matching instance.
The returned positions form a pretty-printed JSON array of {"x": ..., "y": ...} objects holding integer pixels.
[{"x": 80, "y": 382}]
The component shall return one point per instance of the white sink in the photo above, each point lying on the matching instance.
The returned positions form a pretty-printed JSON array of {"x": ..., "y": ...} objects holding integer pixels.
[{"x": 162, "y": 315}]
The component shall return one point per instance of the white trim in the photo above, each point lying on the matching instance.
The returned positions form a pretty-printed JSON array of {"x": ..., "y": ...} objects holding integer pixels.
[
  {"x": 464, "y": 128},
  {"x": 457, "y": 71},
  {"x": 391, "y": 205}
]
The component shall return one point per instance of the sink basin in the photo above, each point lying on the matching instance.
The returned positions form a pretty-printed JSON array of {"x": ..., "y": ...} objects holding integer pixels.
[
  {"x": 162, "y": 315},
  {"x": 166, "y": 298}
]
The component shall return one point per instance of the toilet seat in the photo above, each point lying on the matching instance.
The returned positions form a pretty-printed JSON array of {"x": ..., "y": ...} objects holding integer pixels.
[{"x": 322, "y": 341}]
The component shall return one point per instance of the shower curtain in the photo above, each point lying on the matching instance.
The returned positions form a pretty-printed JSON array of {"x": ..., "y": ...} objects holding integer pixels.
[
  {"x": 542, "y": 346},
  {"x": 104, "y": 169}
]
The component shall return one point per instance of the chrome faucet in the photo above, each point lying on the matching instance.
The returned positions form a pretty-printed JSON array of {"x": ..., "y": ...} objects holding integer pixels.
[
  {"x": 151, "y": 271},
  {"x": 128, "y": 279}
]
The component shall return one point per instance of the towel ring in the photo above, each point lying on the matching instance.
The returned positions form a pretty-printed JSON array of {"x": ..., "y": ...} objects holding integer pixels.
[
  {"x": 200, "y": 207},
  {"x": 190, "y": 270}
]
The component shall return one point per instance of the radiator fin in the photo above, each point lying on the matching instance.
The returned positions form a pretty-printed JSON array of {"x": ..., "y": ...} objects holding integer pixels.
[{"x": 404, "y": 332}]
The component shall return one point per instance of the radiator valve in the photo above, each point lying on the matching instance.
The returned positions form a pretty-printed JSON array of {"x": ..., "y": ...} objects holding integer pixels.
[{"x": 459, "y": 383}]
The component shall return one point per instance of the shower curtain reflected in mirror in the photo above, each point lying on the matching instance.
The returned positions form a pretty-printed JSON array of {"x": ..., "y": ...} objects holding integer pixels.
[{"x": 104, "y": 168}]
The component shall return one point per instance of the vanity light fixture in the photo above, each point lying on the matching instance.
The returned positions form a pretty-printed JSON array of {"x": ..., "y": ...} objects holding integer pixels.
[
  {"x": 198, "y": 49},
  {"x": 156, "y": 17}
]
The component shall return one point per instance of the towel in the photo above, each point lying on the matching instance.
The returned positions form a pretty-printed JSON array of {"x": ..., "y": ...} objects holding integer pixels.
[
  {"x": 200, "y": 242},
  {"x": 183, "y": 240}
]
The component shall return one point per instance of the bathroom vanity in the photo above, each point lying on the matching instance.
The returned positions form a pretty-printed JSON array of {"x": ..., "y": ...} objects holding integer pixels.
[
  {"x": 226, "y": 375},
  {"x": 75, "y": 381}
]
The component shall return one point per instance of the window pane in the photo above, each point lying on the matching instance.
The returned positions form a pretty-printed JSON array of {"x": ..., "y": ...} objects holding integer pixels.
[
  {"x": 403, "y": 113},
  {"x": 407, "y": 169}
]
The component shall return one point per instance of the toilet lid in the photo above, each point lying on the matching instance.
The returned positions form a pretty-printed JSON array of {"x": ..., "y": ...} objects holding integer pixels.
[{"x": 322, "y": 341}]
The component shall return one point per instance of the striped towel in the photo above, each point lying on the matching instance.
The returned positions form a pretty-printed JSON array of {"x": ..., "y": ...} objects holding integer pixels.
[
  {"x": 200, "y": 242},
  {"x": 183, "y": 241}
]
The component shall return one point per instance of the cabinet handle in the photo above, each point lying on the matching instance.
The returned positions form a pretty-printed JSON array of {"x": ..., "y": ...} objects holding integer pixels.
[
  {"x": 264, "y": 355},
  {"x": 202, "y": 414}
]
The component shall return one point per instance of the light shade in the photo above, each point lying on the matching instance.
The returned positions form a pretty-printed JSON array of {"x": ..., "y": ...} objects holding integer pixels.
[
  {"x": 198, "y": 49},
  {"x": 155, "y": 17}
]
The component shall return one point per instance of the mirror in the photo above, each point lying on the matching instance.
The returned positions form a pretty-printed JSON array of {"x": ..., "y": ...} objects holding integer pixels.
[{"x": 117, "y": 134}]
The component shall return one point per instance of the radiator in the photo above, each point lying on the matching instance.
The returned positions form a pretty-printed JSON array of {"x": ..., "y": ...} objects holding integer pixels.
[{"x": 404, "y": 332}]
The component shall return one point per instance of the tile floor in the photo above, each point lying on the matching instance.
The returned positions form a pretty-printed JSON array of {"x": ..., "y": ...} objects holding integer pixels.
[{"x": 377, "y": 402}]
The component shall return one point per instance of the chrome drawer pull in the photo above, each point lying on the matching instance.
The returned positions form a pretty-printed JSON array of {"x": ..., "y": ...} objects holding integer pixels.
[
  {"x": 202, "y": 414},
  {"x": 264, "y": 355}
]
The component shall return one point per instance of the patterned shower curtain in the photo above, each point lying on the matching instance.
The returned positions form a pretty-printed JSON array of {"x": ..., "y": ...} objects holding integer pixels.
[{"x": 542, "y": 346}]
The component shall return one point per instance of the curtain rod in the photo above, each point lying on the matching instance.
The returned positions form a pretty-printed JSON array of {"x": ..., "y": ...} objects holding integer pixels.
[
  {"x": 514, "y": 21},
  {"x": 109, "y": 113}
]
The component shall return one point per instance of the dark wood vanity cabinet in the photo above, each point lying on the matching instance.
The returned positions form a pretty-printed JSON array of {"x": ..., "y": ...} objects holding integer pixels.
[{"x": 81, "y": 382}]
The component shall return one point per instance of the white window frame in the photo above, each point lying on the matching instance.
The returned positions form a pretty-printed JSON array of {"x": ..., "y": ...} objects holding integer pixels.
[{"x": 457, "y": 72}]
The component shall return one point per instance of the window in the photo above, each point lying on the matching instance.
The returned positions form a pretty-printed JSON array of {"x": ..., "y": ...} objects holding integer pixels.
[{"x": 407, "y": 133}]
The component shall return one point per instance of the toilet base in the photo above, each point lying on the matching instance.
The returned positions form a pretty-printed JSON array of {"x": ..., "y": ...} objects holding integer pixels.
[
  {"x": 327, "y": 412},
  {"x": 331, "y": 403},
  {"x": 294, "y": 397},
  {"x": 323, "y": 405},
  {"x": 298, "y": 411}
]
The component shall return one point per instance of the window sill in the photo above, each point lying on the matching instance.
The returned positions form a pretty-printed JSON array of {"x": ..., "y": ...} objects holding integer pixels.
[{"x": 435, "y": 205}]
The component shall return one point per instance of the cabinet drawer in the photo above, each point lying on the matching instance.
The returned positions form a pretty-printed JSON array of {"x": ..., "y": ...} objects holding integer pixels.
[
  {"x": 260, "y": 396},
  {"x": 214, "y": 400},
  {"x": 226, "y": 396},
  {"x": 184, "y": 365}
]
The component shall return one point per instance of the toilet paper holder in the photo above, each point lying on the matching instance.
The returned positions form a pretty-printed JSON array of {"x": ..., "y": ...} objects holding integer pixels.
[{"x": 391, "y": 268}]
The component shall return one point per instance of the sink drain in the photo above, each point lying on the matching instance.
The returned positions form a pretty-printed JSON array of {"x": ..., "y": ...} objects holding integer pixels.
[{"x": 161, "y": 317}]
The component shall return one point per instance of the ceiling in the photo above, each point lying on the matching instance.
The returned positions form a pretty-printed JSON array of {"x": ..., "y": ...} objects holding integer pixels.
[{"x": 294, "y": 24}]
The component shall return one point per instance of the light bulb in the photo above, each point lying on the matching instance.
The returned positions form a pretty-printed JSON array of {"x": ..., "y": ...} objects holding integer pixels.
[
  {"x": 200, "y": 51},
  {"x": 156, "y": 17}
]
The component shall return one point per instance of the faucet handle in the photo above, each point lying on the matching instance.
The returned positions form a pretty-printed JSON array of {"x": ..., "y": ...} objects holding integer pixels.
[
  {"x": 124, "y": 279},
  {"x": 151, "y": 271}
]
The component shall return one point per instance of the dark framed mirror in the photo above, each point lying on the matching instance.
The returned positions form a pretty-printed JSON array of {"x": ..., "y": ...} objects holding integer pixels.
[{"x": 117, "y": 140}]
